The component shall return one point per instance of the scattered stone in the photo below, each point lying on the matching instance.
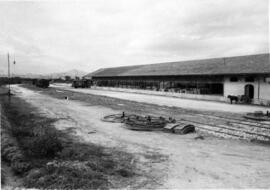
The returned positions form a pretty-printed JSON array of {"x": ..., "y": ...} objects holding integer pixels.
[
  {"x": 91, "y": 132},
  {"x": 200, "y": 137}
]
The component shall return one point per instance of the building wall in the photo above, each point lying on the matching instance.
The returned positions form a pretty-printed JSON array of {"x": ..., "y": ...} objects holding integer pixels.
[
  {"x": 162, "y": 93},
  {"x": 237, "y": 88},
  {"x": 261, "y": 89},
  {"x": 264, "y": 92}
]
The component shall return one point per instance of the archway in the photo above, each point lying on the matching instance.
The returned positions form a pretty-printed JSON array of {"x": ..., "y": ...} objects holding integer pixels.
[{"x": 249, "y": 91}]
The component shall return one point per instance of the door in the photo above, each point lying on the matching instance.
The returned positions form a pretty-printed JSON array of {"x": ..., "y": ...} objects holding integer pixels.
[{"x": 249, "y": 91}]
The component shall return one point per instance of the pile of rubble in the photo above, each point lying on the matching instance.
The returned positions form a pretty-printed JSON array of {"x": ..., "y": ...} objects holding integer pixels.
[{"x": 150, "y": 123}]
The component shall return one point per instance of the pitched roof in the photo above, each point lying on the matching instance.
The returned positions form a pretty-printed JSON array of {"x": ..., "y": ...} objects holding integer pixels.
[{"x": 250, "y": 64}]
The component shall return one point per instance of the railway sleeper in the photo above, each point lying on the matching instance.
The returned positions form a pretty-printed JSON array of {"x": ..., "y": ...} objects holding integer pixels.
[
  {"x": 257, "y": 130},
  {"x": 232, "y": 132}
]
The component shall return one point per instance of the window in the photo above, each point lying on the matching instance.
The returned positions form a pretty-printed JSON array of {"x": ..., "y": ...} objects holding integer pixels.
[
  {"x": 233, "y": 79},
  {"x": 249, "y": 79}
]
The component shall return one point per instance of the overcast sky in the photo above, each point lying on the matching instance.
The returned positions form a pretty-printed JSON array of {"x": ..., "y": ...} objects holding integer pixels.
[{"x": 87, "y": 35}]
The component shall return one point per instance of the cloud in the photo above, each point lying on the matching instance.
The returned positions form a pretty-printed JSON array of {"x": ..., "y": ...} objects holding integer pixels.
[{"x": 55, "y": 36}]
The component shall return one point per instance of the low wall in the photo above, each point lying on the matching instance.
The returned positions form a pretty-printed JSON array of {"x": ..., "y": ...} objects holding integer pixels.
[
  {"x": 261, "y": 102},
  {"x": 168, "y": 94}
]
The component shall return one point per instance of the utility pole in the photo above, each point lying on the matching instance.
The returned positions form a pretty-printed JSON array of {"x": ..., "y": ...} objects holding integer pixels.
[{"x": 9, "y": 93}]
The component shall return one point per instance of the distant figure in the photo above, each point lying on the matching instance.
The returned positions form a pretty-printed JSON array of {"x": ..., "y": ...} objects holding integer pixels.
[
  {"x": 233, "y": 98},
  {"x": 123, "y": 115}
]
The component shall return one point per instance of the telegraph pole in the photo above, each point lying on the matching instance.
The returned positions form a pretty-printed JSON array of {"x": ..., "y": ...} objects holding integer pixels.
[{"x": 9, "y": 93}]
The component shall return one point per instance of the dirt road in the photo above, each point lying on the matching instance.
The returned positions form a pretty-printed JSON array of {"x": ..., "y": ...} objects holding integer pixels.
[
  {"x": 174, "y": 161},
  {"x": 170, "y": 101}
]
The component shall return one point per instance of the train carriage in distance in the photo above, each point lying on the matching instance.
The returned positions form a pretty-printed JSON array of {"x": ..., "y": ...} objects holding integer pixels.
[{"x": 83, "y": 83}]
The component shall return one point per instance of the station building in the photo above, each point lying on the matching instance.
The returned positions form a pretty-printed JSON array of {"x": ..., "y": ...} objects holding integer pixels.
[{"x": 207, "y": 79}]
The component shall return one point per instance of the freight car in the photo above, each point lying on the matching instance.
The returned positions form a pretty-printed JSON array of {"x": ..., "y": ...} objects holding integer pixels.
[
  {"x": 42, "y": 83},
  {"x": 84, "y": 83}
]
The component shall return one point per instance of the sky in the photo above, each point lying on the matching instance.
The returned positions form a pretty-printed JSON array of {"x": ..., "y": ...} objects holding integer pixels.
[{"x": 56, "y": 36}]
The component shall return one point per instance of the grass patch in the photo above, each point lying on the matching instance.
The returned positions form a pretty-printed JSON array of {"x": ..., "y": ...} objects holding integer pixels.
[
  {"x": 48, "y": 158},
  {"x": 3, "y": 176},
  {"x": 10, "y": 151}
]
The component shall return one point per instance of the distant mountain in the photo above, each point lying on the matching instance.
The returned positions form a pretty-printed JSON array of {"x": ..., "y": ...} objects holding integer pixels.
[{"x": 72, "y": 73}]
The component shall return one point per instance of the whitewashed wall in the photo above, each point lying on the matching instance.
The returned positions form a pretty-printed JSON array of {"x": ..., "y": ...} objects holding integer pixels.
[
  {"x": 264, "y": 93},
  {"x": 261, "y": 89},
  {"x": 238, "y": 88}
]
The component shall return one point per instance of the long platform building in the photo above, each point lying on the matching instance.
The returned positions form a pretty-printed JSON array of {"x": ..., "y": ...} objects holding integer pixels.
[{"x": 207, "y": 79}]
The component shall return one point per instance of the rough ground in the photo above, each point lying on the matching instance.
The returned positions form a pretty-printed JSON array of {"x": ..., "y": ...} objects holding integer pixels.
[{"x": 173, "y": 161}]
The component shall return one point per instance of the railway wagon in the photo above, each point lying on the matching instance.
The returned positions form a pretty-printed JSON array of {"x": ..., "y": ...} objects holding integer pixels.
[
  {"x": 82, "y": 83},
  {"x": 42, "y": 83}
]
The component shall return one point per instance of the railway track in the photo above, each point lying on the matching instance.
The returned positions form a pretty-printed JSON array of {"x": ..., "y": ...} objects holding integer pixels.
[
  {"x": 236, "y": 120},
  {"x": 234, "y": 128},
  {"x": 227, "y": 125}
]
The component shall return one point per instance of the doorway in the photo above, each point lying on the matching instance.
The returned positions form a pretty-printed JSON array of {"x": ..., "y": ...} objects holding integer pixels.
[{"x": 249, "y": 91}]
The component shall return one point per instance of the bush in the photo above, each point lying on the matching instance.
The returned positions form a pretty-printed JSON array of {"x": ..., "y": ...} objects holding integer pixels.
[
  {"x": 35, "y": 134},
  {"x": 81, "y": 152},
  {"x": 3, "y": 176},
  {"x": 47, "y": 145},
  {"x": 20, "y": 166},
  {"x": 11, "y": 153},
  {"x": 63, "y": 176},
  {"x": 20, "y": 131}
]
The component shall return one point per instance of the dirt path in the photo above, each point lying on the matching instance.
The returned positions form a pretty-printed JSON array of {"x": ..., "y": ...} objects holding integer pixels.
[{"x": 182, "y": 162}]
